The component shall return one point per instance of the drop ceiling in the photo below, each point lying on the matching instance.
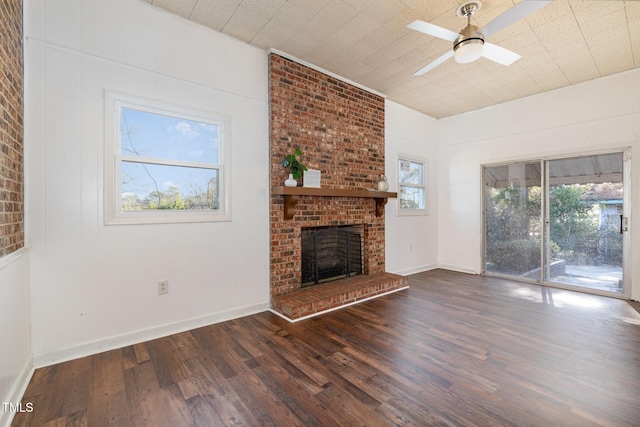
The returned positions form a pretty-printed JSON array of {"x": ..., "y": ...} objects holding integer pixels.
[{"x": 368, "y": 42}]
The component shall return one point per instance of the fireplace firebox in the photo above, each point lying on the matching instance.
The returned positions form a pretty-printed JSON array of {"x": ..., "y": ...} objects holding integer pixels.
[{"x": 331, "y": 253}]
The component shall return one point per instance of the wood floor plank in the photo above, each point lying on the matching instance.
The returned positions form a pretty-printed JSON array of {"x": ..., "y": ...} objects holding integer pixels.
[
  {"x": 107, "y": 400},
  {"x": 452, "y": 350}
]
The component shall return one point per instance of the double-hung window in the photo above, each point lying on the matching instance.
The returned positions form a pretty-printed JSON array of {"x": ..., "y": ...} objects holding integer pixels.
[
  {"x": 412, "y": 186},
  {"x": 164, "y": 163}
]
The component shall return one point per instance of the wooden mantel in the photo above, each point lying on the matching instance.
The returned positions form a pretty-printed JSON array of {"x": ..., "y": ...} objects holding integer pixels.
[{"x": 291, "y": 194}]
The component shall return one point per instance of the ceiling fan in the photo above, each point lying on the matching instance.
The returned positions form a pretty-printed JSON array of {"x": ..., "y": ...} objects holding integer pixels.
[{"x": 469, "y": 44}]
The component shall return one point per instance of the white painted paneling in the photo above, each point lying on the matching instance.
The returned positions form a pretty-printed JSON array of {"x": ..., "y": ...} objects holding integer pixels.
[
  {"x": 89, "y": 12},
  {"x": 603, "y": 114},
  {"x": 141, "y": 46},
  {"x": 62, "y": 22},
  {"x": 411, "y": 241},
  {"x": 15, "y": 313},
  {"x": 110, "y": 23},
  {"x": 95, "y": 286}
]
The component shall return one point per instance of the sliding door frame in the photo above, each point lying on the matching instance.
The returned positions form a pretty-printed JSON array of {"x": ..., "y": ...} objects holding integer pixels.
[{"x": 545, "y": 221}]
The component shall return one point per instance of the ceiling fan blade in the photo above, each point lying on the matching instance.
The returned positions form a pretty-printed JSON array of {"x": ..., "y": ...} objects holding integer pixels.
[
  {"x": 513, "y": 15},
  {"x": 499, "y": 54},
  {"x": 433, "y": 30},
  {"x": 434, "y": 64}
]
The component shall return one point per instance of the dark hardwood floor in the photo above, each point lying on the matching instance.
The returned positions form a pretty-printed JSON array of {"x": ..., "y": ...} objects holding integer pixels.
[{"x": 453, "y": 350}]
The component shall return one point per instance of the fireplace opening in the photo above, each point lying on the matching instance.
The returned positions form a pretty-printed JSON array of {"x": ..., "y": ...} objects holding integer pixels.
[{"x": 331, "y": 253}]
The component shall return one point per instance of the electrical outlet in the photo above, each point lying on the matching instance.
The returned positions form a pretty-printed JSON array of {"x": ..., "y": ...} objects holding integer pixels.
[{"x": 163, "y": 287}]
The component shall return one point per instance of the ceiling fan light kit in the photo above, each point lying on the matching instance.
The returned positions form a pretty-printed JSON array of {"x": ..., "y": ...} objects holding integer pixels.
[
  {"x": 469, "y": 44},
  {"x": 468, "y": 47}
]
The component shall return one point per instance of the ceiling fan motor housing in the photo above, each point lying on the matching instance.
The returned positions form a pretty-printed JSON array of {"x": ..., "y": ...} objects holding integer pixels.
[{"x": 468, "y": 46}]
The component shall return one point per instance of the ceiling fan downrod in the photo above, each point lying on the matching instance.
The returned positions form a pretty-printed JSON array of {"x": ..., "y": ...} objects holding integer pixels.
[{"x": 468, "y": 46}]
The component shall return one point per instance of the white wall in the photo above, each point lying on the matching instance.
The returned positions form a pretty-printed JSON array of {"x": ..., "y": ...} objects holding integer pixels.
[
  {"x": 603, "y": 114},
  {"x": 411, "y": 242},
  {"x": 95, "y": 286},
  {"x": 15, "y": 313}
]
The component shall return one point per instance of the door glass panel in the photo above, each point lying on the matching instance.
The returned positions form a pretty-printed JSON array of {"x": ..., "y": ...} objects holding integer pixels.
[
  {"x": 513, "y": 220},
  {"x": 585, "y": 211}
]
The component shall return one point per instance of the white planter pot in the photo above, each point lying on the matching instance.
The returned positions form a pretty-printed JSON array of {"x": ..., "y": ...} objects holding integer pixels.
[{"x": 290, "y": 182}]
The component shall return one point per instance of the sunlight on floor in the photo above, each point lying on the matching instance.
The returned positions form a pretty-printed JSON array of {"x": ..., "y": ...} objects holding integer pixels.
[
  {"x": 635, "y": 320},
  {"x": 631, "y": 316},
  {"x": 555, "y": 297},
  {"x": 575, "y": 299}
]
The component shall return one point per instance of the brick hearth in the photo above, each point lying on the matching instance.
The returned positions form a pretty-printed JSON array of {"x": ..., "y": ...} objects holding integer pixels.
[
  {"x": 327, "y": 296},
  {"x": 340, "y": 130}
]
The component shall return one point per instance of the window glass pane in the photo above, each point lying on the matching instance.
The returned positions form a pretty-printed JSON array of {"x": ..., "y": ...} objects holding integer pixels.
[
  {"x": 513, "y": 223},
  {"x": 165, "y": 137},
  {"x": 410, "y": 172},
  {"x": 412, "y": 197},
  {"x": 160, "y": 187}
]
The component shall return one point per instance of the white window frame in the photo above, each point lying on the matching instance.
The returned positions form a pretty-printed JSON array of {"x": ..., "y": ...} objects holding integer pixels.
[
  {"x": 425, "y": 168},
  {"x": 113, "y": 158}
]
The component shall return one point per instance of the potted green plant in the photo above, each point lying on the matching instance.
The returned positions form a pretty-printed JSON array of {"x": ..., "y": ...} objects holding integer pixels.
[{"x": 292, "y": 161}]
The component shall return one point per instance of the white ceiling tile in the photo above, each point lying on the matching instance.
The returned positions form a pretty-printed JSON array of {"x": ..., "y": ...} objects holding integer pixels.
[
  {"x": 182, "y": 7},
  {"x": 320, "y": 56},
  {"x": 273, "y": 35},
  {"x": 520, "y": 40},
  {"x": 313, "y": 7},
  {"x": 356, "y": 70},
  {"x": 527, "y": 90},
  {"x": 613, "y": 40},
  {"x": 634, "y": 35},
  {"x": 383, "y": 11},
  {"x": 550, "y": 12},
  {"x": 367, "y": 41},
  {"x": 215, "y": 10},
  {"x": 339, "y": 41},
  {"x": 573, "y": 48},
  {"x": 361, "y": 26},
  {"x": 359, "y": 51},
  {"x": 397, "y": 27},
  {"x": 613, "y": 21},
  {"x": 562, "y": 24},
  {"x": 359, "y": 5},
  {"x": 428, "y": 9},
  {"x": 210, "y": 20},
  {"x": 299, "y": 45},
  {"x": 518, "y": 29},
  {"x": 613, "y": 62},
  {"x": 588, "y": 11},
  {"x": 633, "y": 10},
  {"x": 578, "y": 68},
  {"x": 239, "y": 32},
  {"x": 249, "y": 21},
  {"x": 263, "y": 7},
  {"x": 329, "y": 20}
]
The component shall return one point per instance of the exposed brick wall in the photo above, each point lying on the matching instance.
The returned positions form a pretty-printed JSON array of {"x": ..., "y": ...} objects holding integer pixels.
[
  {"x": 340, "y": 130},
  {"x": 11, "y": 128}
]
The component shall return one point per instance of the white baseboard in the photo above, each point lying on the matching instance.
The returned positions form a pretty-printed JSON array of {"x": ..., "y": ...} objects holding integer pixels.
[
  {"x": 135, "y": 337},
  {"x": 458, "y": 268},
  {"x": 17, "y": 391},
  {"x": 415, "y": 270}
]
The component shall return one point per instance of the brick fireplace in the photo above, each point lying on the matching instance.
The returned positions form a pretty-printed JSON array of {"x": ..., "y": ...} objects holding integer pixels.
[{"x": 340, "y": 130}]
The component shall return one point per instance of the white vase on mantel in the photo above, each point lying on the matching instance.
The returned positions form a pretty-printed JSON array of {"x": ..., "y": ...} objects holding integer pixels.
[{"x": 290, "y": 182}]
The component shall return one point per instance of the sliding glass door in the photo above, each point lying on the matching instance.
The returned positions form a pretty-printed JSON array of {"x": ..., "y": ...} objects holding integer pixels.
[
  {"x": 513, "y": 231},
  {"x": 586, "y": 222},
  {"x": 559, "y": 221}
]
